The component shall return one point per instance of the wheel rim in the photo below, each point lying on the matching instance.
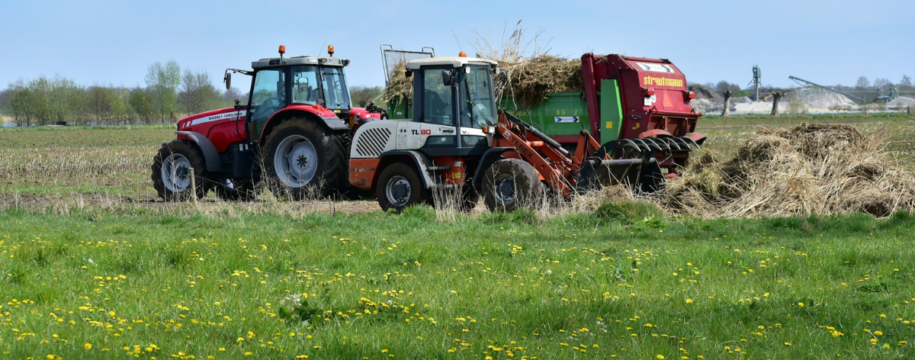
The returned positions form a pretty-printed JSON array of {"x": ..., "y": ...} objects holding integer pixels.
[
  {"x": 505, "y": 190},
  {"x": 296, "y": 161},
  {"x": 398, "y": 191},
  {"x": 175, "y": 174}
]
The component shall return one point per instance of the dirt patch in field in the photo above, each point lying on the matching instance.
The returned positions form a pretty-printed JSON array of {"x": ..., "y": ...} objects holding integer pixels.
[{"x": 810, "y": 169}]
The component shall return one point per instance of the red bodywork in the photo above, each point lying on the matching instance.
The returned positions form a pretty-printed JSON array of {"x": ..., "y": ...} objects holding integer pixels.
[
  {"x": 224, "y": 127},
  {"x": 669, "y": 115},
  {"x": 654, "y": 99}
]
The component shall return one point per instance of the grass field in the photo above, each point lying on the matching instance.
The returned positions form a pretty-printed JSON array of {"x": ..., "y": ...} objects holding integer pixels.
[
  {"x": 141, "y": 279},
  {"x": 625, "y": 282}
]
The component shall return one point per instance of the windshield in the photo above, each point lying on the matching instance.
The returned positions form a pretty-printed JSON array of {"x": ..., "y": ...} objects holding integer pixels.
[
  {"x": 305, "y": 87},
  {"x": 478, "y": 108},
  {"x": 337, "y": 96}
]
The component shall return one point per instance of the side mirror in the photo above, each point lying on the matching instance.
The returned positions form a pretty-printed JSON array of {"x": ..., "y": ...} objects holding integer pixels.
[
  {"x": 503, "y": 79},
  {"x": 228, "y": 80},
  {"x": 408, "y": 73},
  {"x": 447, "y": 78}
]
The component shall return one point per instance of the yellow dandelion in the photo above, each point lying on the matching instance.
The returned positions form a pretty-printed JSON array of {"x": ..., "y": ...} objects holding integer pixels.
[
  {"x": 88, "y": 346},
  {"x": 689, "y": 301}
]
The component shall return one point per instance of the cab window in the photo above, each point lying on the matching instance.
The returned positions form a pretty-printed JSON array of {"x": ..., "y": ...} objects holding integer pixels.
[
  {"x": 437, "y": 100},
  {"x": 305, "y": 86}
]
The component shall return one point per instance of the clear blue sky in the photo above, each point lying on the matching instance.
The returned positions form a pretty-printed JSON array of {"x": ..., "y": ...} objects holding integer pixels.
[{"x": 113, "y": 42}]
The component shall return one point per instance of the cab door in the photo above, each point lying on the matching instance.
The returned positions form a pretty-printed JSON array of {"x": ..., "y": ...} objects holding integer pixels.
[{"x": 268, "y": 95}]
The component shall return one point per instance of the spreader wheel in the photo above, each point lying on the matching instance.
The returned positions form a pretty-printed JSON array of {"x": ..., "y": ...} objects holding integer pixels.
[
  {"x": 399, "y": 186},
  {"x": 171, "y": 171},
  {"x": 510, "y": 184}
]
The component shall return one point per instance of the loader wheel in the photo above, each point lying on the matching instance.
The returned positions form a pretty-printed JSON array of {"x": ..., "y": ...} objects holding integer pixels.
[
  {"x": 237, "y": 190},
  {"x": 171, "y": 171},
  {"x": 302, "y": 158},
  {"x": 399, "y": 186},
  {"x": 447, "y": 198},
  {"x": 510, "y": 184},
  {"x": 469, "y": 199}
]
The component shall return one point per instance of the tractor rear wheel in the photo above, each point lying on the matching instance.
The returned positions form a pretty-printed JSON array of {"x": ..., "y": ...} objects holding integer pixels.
[
  {"x": 302, "y": 158},
  {"x": 399, "y": 186},
  {"x": 510, "y": 184},
  {"x": 171, "y": 171}
]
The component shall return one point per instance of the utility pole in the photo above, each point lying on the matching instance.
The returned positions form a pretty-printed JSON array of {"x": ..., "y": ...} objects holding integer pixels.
[{"x": 757, "y": 75}]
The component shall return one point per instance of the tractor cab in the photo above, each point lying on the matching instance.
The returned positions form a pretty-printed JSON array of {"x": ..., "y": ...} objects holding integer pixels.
[{"x": 316, "y": 84}]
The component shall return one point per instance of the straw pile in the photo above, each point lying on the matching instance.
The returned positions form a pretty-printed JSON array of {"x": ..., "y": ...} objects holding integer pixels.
[{"x": 810, "y": 169}]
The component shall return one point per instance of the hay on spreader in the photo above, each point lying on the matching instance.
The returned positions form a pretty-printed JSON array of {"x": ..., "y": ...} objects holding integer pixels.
[
  {"x": 810, "y": 169},
  {"x": 530, "y": 79},
  {"x": 532, "y": 72},
  {"x": 398, "y": 84}
]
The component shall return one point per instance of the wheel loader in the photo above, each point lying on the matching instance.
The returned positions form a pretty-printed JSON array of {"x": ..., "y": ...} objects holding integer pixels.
[
  {"x": 294, "y": 130},
  {"x": 458, "y": 139}
]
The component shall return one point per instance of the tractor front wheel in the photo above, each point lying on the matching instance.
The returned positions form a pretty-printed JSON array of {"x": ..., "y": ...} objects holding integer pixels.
[
  {"x": 399, "y": 186},
  {"x": 302, "y": 159},
  {"x": 510, "y": 184},
  {"x": 171, "y": 171}
]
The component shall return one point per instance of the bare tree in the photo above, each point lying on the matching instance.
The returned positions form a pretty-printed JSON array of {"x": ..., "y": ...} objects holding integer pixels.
[
  {"x": 882, "y": 83},
  {"x": 906, "y": 82},
  {"x": 863, "y": 83},
  {"x": 776, "y": 96}
]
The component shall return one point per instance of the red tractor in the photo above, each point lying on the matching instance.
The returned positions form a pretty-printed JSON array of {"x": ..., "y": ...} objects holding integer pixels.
[{"x": 295, "y": 130}]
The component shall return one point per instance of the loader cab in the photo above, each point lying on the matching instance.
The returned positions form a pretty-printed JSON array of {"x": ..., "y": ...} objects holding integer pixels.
[
  {"x": 453, "y": 102},
  {"x": 305, "y": 82}
]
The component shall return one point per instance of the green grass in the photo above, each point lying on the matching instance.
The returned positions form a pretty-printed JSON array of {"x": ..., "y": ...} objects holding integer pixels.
[{"x": 624, "y": 282}]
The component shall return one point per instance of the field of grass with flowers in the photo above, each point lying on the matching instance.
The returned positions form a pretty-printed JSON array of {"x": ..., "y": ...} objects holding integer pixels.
[{"x": 625, "y": 282}]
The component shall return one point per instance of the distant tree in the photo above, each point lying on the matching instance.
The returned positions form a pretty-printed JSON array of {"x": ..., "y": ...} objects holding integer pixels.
[
  {"x": 882, "y": 83},
  {"x": 162, "y": 82},
  {"x": 722, "y": 86},
  {"x": 197, "y": 92},
  {"x": 363, "y": 95},
  {"x": 232, "y": 94},
  {"x": 906, "y": 82},
  {"x": 98, "y": 101},
  {"x": 141, "y": 104},
  {"x": 862, "y": 83},
  {"x": 776, "y": 96},
  {"x": 727, "y": 104}
]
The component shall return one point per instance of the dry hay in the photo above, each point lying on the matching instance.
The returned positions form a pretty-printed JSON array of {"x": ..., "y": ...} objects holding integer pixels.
[
  {"x": 398, "y": 84},
  {"x": 531, "y": 71},
  {"x": 810, "y": 169},
  {"x": 530, "y": 79}
]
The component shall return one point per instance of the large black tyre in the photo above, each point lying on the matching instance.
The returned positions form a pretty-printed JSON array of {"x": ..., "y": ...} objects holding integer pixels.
[
  {"x": 171, "y": 175},
  {"x": 446, "y": 198},
  {"x": 240, "y": 190},
  {"x": 399, "y": 186},
  {"x": 510, "y": 184},
  {"x": 302, "y": 158}
]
